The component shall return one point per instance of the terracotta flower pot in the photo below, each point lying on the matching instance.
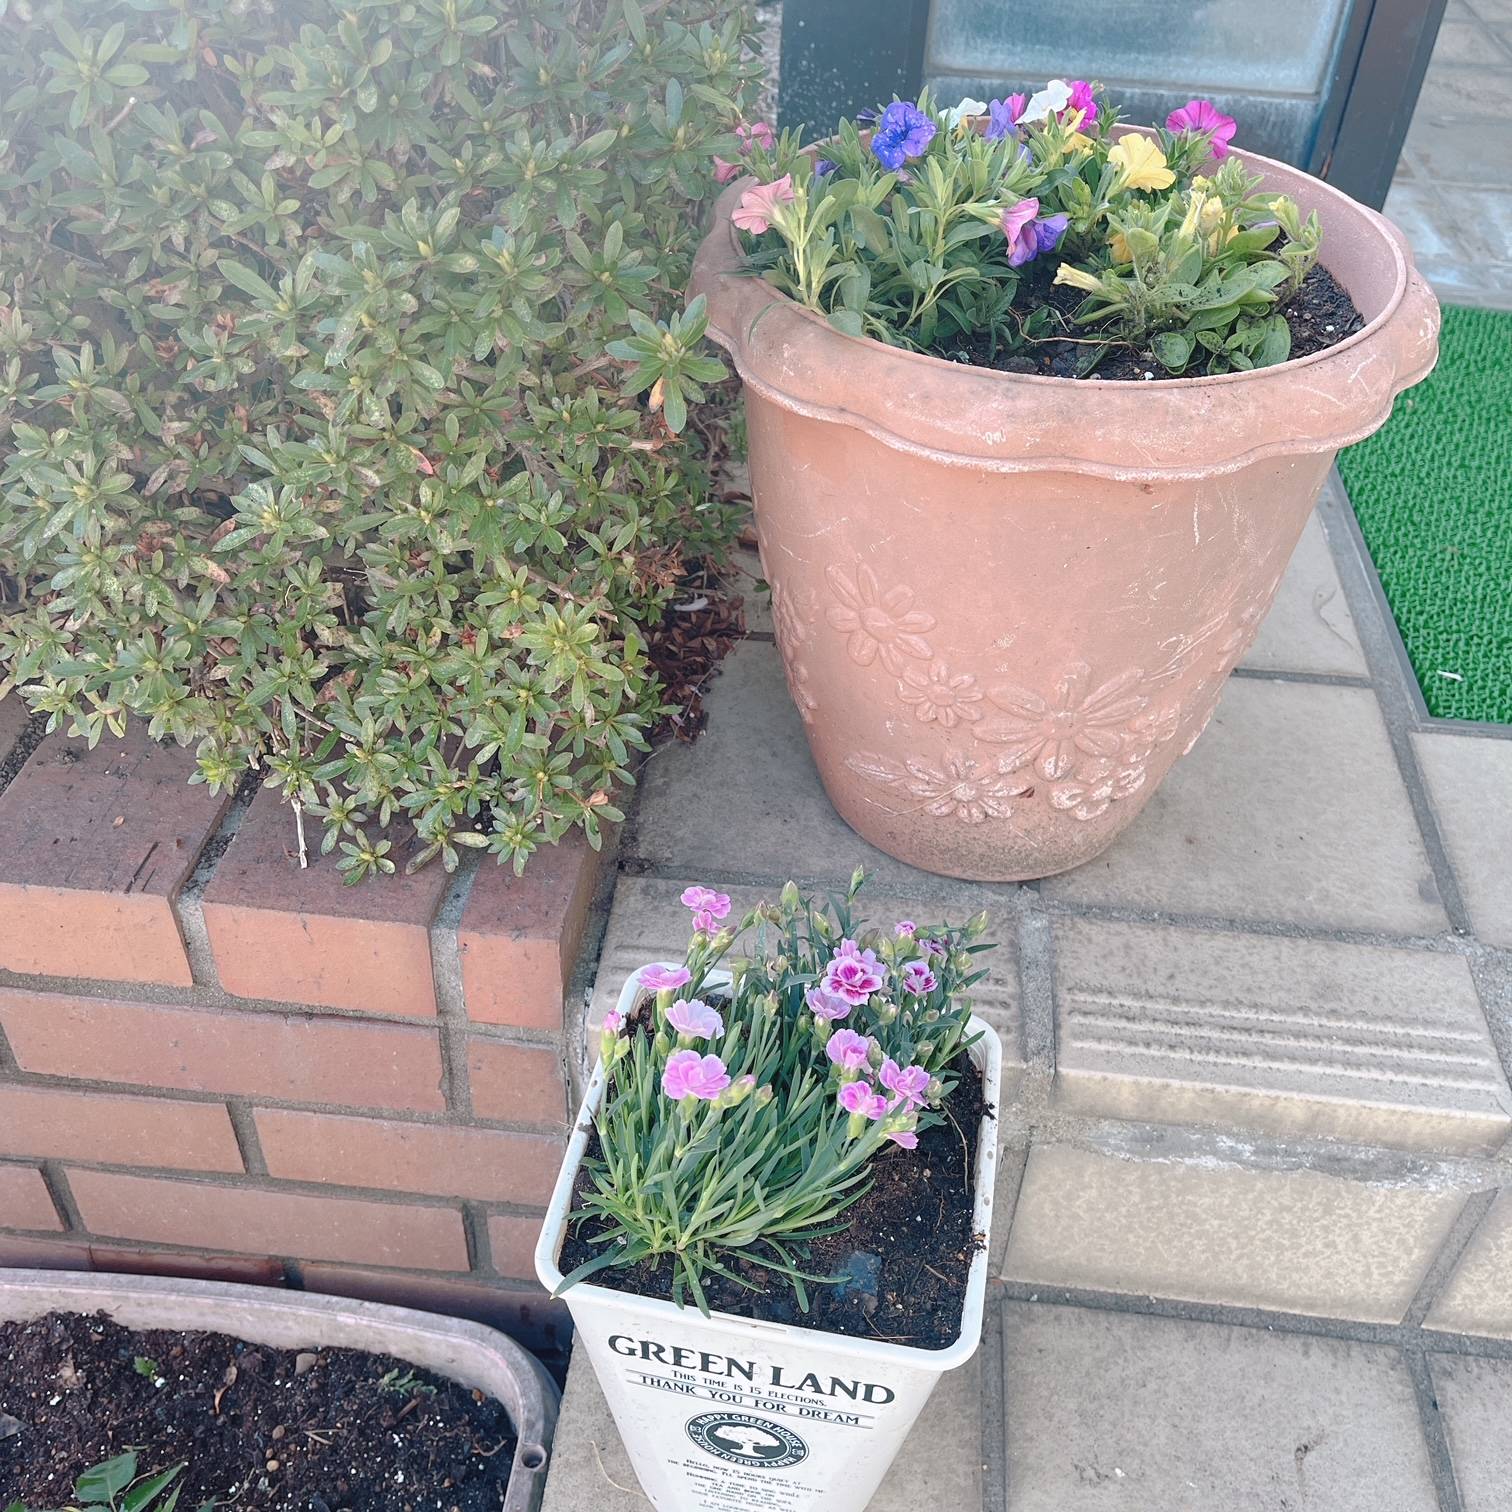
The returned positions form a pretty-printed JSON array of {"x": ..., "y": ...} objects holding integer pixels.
[{"x": 1006, "y": 603}]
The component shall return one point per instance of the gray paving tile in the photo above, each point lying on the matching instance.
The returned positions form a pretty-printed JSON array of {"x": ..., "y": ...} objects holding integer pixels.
[
  {"x": 746, "y": 798},
  {"x": 1291, "y": 1239},
  {"x": 1475, "y": 1397},
  {"x": 1414, "y": 208},
  {"x": 1455, "y": 94},
  {"x": 939, "y": 1464},
  {"x": 1299, "y": 1037},
  {"x": 1290, "y": 808},
  {"x": 1463, "y": 41},
  {"x": 1437, "y": 149},
  {"x": 1309, "y": 628},
  {"x": 1108, "y": 1412},
  {"x": 1478, "y": 1298},
  {"x": 1470, "y": 782}
]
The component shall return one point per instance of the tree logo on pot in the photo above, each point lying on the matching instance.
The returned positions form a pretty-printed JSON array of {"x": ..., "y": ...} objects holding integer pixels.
[{"x": 745, "y": 1440}]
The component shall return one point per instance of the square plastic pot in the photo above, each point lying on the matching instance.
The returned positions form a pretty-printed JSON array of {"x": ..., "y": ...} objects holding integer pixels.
[{"x": 727, "y": 1414}]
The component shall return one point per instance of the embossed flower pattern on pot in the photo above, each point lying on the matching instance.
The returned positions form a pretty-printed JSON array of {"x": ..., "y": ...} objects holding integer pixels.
[
  {"x": 1055, "y": 733},
  {"x": 793, "y": 616},
  {"x": 960, "y": 788},
  {"x": 877, "y": 624},
  {"x": 935, "y": 696}
]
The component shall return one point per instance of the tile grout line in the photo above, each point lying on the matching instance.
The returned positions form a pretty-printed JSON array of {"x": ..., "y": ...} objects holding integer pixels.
[
  {"x": 442, "y": 936},
  {"x": 994, "y": 1408},
  {"x": 1435, "y": 1438},
  {"x": 1443, "y": 1265},
  {"x": 244, "y": 1127},
  {"x": 56, "y": 1180}
]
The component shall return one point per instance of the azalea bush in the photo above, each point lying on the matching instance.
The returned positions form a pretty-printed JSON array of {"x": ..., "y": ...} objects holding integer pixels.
[
  {"x": 987, "y": 229},
  {"x": 741, "y": 1117},
  {"x": 343, "y": 383}
]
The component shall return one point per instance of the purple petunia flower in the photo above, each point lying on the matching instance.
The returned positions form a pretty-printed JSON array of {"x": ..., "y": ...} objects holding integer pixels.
[
  {"x": 826, "y": 1005},
  {"x": 665, "y": 978},
  {"x": 905, "y": 929},
  {"x": 704, "y": 901},
  {"x": 695, "y": 1018},
  {"x": 1003, "y": 116},
  {"x": 858, "y": 1097},
  {"x": 849, "y": 1050},
  {"x": 1048, "y": 230},
  {"x": 910, "y": 1083},
  {"x": 689, "y": 1074},
  {"x": 1020, "y": 229},
  {"x": 935, "y": 947},
  {"x": 903, "y": 133},
  {"x": 918, "y": 978},
  {"x": 1203, "y": 115},
  {"x": 823, "y": 167}
]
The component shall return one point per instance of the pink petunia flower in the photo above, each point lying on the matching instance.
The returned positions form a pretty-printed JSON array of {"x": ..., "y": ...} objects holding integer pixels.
[
  {"x": 826, "y": 1005},
  {"x": 910, "y": 1083},
  {"x": 695, "y": 1018},
  {"x": 858, "y": 1097},
  {"x": 919, "y": 979},
  {"x": 1203, "y": 115},
  {"x": 614, "y": 1021},
  {"x": 905, "y": 1137},
  {"x": 905, "y": 929},
  {"x": 664, "y": 978},
  {"x": 689, "y": 1074},
  {"x": 849, "y": 1050},
  {"x": 757, "y": 133},
  {"x": 758, "y": 206}
]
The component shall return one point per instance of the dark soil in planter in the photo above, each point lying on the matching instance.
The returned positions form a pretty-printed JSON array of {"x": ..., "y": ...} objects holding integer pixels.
[
  {"x": 908, "y": 1246},
  {"x": 270, "y": 1429},
  {"x": 1321, "y": 314}
]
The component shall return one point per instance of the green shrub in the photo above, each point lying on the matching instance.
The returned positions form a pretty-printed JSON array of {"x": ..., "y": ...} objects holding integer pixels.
[{"x": 315, "y": 455}]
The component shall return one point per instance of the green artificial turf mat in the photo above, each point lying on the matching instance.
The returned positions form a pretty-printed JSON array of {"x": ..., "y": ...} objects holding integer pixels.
[{"x": 1433, "y": 493}]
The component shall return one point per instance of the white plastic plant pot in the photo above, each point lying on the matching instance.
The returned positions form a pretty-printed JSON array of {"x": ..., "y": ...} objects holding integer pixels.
[{"x": 727, "y": 1414}]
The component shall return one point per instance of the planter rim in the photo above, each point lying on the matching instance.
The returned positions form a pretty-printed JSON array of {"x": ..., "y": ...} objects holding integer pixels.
[
  {"x": 988, "y": 1056},
  {"x": 792, "y": 356},
  {"x": 470, "y": 1353}
]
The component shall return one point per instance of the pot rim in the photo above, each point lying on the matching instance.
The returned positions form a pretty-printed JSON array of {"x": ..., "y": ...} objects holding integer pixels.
[
  {"x": 988, "y": 1056},
  {"x": 963, "y": 415}
]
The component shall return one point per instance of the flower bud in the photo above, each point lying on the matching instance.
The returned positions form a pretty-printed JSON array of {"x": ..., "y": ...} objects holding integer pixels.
[
  {"x": 764, "y": 1095},
  {"x": 857, "y": 878},
  {"x": 723, "y": 940},
  {"x": 874, "y": 1054},
  {"x": 789, "y": 897},
  {"x": 662, "y": 1045}
]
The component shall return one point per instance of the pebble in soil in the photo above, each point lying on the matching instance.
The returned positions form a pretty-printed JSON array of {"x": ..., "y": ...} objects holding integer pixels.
[{"x": 259, "y": 1429}]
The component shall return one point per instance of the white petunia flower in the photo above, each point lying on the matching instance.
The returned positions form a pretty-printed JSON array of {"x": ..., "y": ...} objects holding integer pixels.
[
  {"x": 1051, "y": 100},
  {"x": 967, "y": 107}
]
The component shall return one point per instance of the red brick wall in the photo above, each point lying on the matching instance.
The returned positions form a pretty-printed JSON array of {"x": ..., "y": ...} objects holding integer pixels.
[{"x": 213, "y": 1062}]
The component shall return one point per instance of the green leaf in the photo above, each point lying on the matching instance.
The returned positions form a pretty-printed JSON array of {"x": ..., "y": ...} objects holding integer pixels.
[
  {"x": 102, "y": 1482},
  {"x": 847, "y": 322},
  {"x": 1173, "y": 350},
  {"x": 142, "y": 1495}
]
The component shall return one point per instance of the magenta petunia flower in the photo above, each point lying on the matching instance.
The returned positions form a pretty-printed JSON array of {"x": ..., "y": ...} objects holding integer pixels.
[
  {"x": 695, "y": 1018},
  {"x": 918, "y": 978},
  {"x": 723, "y": 171},
  {"x": 689, "y": 1074},
  {"x": 935, "y": 947},
  {"x": 664, "y": 978},
  {"x": 1018, "y": 227},
  {"x": 703, "y": 900},
  {"x": 905, "y": 1137},
  {"x": 903, "y": 133},
  {"x": 858, "y": 1097},
  {"x": 849, "y": 1050},
  {"x": 910, "y": 1083},
  {"x": 614, "y": 1021},
  {"x": 1203, "y": 115},
  {"x": 1082, "y": 99},
  {"x": 826, "y": 1005},
  {"x": 758, "y": 206},
  {"x": 758, "y": 134}
]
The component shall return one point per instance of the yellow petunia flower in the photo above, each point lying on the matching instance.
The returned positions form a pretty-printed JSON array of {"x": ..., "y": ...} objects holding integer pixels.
[
  {"x": 1077, "y": 278},
  {"x": 1140, "y": 164},
  {"x": 1119, "y": 246}
]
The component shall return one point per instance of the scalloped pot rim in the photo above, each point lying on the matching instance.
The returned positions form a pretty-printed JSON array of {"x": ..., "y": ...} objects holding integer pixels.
[
  {"x": 1292, "y": 364},
  {"x": 720, "y": 266}
]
